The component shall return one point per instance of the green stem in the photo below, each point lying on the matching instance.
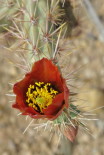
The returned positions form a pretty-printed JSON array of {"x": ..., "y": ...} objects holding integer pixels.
[{"x": 38, "y": 31}]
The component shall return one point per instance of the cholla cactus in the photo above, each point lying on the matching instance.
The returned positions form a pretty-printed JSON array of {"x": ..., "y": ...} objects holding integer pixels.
[{"x": 38, "y": 26}]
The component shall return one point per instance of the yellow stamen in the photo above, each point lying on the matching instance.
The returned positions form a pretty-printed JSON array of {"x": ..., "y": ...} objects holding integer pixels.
[{"x": 40, "y": 95}]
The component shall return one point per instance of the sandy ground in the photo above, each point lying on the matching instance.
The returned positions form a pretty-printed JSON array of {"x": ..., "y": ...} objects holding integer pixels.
[{"x": 89, "y": 52}]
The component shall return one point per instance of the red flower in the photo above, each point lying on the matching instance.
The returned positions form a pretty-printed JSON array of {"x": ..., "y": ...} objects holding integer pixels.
[{"x": 43, "y": 92}]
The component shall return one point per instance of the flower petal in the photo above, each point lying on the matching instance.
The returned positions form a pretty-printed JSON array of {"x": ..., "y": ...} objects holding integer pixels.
[
  {"x": 32, "y": 113},
  {"x": 45, "y": 70},
  {"x": 66, "y": 94},
  {"x": 15, "y": 105},
  {"x": 20, "y": 87},
  {"x": 56, "y": 107}
]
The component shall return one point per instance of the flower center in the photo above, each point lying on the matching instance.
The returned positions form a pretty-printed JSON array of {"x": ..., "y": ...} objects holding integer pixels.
[{"x": 40, "y": 95}]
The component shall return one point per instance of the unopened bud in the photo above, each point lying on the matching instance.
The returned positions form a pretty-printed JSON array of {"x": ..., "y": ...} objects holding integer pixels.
[{"x": 70, "y": 132}]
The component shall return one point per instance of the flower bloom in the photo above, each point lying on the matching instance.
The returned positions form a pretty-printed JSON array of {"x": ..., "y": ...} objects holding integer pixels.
[{"x": 43, "y": 92}]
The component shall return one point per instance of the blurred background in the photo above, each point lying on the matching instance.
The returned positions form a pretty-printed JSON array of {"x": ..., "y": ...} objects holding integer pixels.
[{"x": 88, "y": 43}]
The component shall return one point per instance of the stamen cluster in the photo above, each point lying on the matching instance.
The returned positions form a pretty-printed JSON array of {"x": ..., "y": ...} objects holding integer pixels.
[{"x": 40, "y": 95}]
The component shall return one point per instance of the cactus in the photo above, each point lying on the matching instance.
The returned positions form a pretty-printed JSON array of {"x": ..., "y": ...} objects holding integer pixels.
[
  {"x": 39, "y": 24},
  {"x": 37, "y": 27}
]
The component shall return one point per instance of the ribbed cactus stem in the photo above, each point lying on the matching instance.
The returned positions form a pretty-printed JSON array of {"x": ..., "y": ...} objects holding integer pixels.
[
  {"x": 39, "y": 28},
  {"x": 6, "y": 11}
]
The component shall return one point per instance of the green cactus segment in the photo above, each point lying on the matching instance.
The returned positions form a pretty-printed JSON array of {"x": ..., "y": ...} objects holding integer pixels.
[
  {"x": 7, "y": 11},
  {"x": 61, "y": 119},
  {"x": 33, "y": 21},
  {"x": 68, "y": 116},
  {"x": 30, "y": 26},
  {"x": 41, "y": 28},
  {"x": 40, "y": 22},
  {"x": 74, "y": 111}
]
